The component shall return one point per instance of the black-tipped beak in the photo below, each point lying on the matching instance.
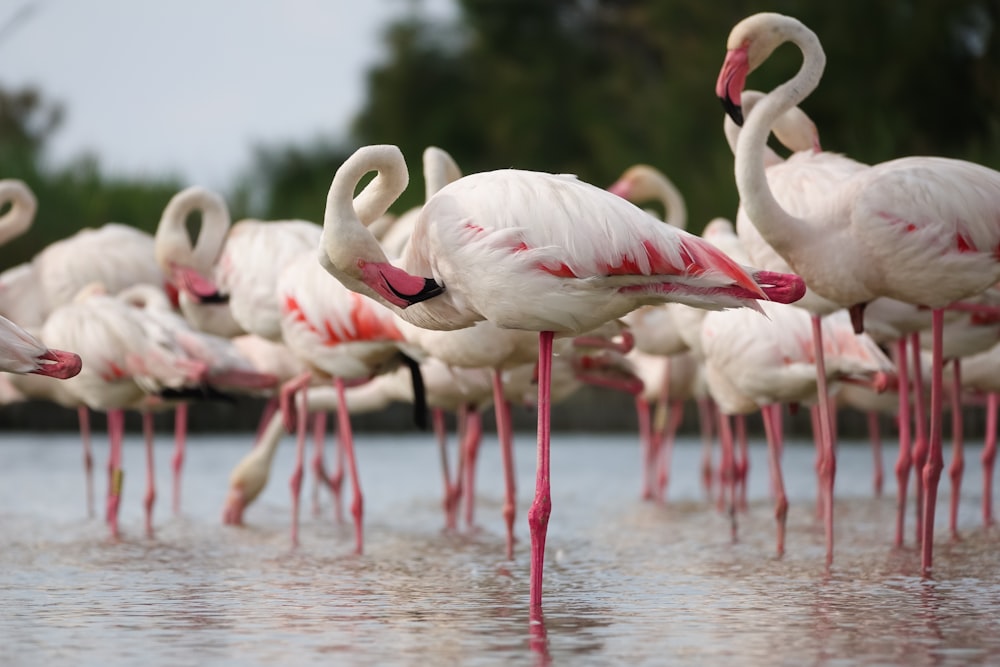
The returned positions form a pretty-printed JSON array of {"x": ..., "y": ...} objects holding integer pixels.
[
  {"x": 429, "y": 290},
  {"x": 734, "y": 111}
]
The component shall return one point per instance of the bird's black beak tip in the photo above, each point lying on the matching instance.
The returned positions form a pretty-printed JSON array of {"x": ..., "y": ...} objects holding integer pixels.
[{"x": 735, "y": 111}]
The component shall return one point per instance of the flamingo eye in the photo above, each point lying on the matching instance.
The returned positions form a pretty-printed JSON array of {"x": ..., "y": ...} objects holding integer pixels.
[{"x": 361, "y": 263}]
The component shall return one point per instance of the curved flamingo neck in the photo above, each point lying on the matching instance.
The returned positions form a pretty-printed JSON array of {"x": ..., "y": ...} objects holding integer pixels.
[
  {"x": 173, "y": 241},
  {"x": 375, "y": 199},
  {"x": 673, "y": 202},
  {"x": 440, "y": 169},
  {"x": 781, "y": 229},
  {"x": 22, "y": 209}
]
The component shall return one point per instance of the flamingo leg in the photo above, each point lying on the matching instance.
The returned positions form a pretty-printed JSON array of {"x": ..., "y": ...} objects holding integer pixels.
[
  {"x": 295, "y": 481},
  {"x": 501, "y": 408},
  {"x": 473, "y": 438},
  {"x": 989, "y": 455},
  {"x": 876, "y": 440},
  {"x": 270, "y": 407},
  {"x": 935, "y": 459},
  {"x": 828, "y": 460},
  {"x": 646, "y": 445},
  {"x": 676, "y": 415},
  {"x": 441, "y": 434},
  {"x": 150, "y": 498},
  {"x": 83, "y": 416},
  {"x": 337, "y": 481},
  {"x": 541, "y": 507},
  {"x": 320, "y": 478},
  {"x": 727, "y": 471},
  {"x": 287, "y": 394},
  {"x": 904, "y": 461},
  {"x": 743, "y": 464},
  {"x": 818, "y": 464},
  {"x": 773, "y": 431},
  {"x": 957, "y": 452},
  {"x": 707, "y": 435},
  {"x": 180, "y": 440},
  {"x": 661, "y": 420},
  {"x": 920, "y": 439},
  {"x": 346, "y": 437},
  {"x": 116, "y": 476}
]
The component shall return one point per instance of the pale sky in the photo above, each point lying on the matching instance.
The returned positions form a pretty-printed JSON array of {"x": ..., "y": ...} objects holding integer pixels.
[{"x": 187, "y": 87}]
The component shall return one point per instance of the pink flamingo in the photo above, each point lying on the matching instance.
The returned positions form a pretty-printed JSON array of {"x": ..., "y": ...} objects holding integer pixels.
[
  {"x": 532, "y": 251},
  {"x": 121, "y": 367},
  {"x": 340, "y": 335},
  {"x": 921, "y": 229}
]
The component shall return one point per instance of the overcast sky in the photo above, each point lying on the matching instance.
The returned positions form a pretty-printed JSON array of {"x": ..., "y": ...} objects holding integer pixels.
[{"x": 188, "y": 86}]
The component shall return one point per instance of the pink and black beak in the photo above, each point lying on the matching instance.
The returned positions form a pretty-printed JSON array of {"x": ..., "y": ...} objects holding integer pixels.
[
  {"x": 58, "y": 364},
  {"x": 197, "y": 286},
  {"x": 732, "y": 79}
]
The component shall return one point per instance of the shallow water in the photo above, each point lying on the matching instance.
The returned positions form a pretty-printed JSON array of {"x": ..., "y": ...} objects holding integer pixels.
[{"x": 626, "y": 582}]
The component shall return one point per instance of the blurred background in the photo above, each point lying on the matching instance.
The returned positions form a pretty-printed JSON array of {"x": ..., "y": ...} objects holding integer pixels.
[{"x": 109, "y": 107}]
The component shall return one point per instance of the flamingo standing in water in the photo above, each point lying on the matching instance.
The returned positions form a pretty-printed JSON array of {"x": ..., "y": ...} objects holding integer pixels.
[
  {"x": 532, "y": 251},
  {"x": 920, "y": 229}
]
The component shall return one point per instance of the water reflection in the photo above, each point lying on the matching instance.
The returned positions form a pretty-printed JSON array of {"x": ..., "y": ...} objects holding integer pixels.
[{"x": 626, "y": 582}]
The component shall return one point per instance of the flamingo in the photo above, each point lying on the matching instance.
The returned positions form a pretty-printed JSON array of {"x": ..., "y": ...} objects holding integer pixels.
[
  {"x": 121, "y": 367},
  {"x": 798, "y": 183},
  {"x": 919, "y": 229},
  {"x": 341, "y": 335},
  {"x": 532, "y": 251},
  {"x": 18, "y": 218},
  {"x": 239, "y": 263}
]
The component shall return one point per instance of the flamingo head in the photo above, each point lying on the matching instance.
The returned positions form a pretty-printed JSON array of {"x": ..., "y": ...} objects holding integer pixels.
[
  {"x": 750, "y": 43},
  {"x": 58, "y": 364},
  {"x": 236, "y": 502}
]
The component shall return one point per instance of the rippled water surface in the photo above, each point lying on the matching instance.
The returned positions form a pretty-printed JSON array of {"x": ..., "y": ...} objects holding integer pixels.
[{"x": 626, "y": 582}]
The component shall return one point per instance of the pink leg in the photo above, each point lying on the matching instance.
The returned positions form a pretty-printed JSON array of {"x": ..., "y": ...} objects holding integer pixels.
[
  {"x": 180, "y": 439},
  {"x": 920, "y": 446},
  {"x": 83, "y": 416},
  {"x": 828, "y": 464},
  {"x": 674, "y": 419},
  {"x": 346, "y": 437},
  {"x": 541, "y": 507},
  {"x": 287, "y": 395},
  {"x": 150, "y": 498},
  {"x": 661, "y": 419},
  {"x": 773, "y": 430},
  {"x": 935, "y": 458},
  {"x": 876, "y": 440},
  {"x": 458, "y": 485},
  {"x": 265, "y": 418},
  {"x": 646, "y": 445},
  {"x": 727, "y": 471},
  {"x": 473, "y": 438},
  {"x": 957, "y": 452},
  {"x": 320, "y": 478},
  {"x": 337, "y": 481},
  {"x": 707, "y": 436},
  {"x": 501, "y": 409},
  {"x": 814, "y": 419},
  {"x": 742, "y": 463},
  {"x": 295, "y": 481},
  {"x": 116, "y": 476},
  {"x": 441, "y": 434},
  {"x": 989, "y": 456},
  {"x": 904, "y": 460}
]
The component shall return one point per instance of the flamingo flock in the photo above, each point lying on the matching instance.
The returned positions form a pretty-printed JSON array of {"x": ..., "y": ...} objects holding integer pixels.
[{"x": 834, "y": 285}]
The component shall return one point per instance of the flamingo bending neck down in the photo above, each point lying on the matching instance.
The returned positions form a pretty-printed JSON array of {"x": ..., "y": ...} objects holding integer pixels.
[
  {"x": 20, "y": 352},
  {"x": 532, "y": 251},
  {"x": 922, "y": 230}
]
